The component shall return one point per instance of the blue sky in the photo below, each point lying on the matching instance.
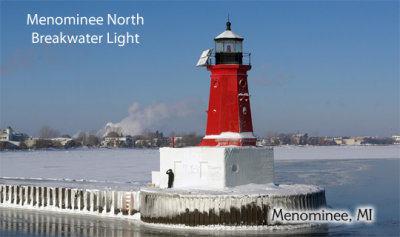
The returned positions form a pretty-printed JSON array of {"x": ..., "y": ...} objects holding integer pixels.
[{"x": 326, "y": 68}]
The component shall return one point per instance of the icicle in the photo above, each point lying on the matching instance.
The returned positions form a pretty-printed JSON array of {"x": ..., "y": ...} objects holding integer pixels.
[
  {"x": 136, "y": 200},
  {"x": 120, "y": 208},
  {"x": 112, "y": 206},
  {"x": 103, "y": 201},
  {"x": 36, "y": 202},
  {"x": 113, "y": 202},
  {"x": 91, "y": 201},
  {"x": 15, "y": 194},
  {"x": 77, "y": 200},
  {"x": 60, "y": 199},
  {"x": 25, "y": 194},
  {"x": 86, "y": 200},
  {"x": 161, "y": 203},
  {"x": 99, "y": 202}
]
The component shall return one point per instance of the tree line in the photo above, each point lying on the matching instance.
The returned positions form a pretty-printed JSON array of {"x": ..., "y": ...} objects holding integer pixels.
[{"x": 51, "y": 138}]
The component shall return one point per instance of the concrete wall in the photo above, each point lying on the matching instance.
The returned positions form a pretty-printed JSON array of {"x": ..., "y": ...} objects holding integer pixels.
[
  {"x": 193, "y": 167},
  {"x": 251, "y": 165},
  {"x": 216, "y": 167},
  {"x": 193, "y": 210}
]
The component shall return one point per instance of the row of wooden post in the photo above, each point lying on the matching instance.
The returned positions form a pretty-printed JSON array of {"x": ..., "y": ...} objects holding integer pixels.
[{"x": 92, "y": 201}]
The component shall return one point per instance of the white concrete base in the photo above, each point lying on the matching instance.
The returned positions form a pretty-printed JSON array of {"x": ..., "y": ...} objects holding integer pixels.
[{"x": 215, "y": 167}]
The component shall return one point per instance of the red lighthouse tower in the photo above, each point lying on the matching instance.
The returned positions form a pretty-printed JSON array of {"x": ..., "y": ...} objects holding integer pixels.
[{"x": 228, "y": 115}]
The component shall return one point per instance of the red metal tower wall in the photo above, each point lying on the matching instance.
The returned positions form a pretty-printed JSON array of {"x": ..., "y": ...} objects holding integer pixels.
[{"x": 229, "y": 107}]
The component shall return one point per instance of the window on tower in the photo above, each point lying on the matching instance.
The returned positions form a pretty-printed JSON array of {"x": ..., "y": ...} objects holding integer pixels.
[
  {"x": 219, "y": 47},
  {"x": 238, "y": 46},
  {"x": 244, "y": 110},
  {"x": 229, "y": 47}
]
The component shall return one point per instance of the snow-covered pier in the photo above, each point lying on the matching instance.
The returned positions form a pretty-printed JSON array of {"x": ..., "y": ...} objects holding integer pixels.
[
  {"x": 105, "y": 202},
  {"x": 229, "y": 207}
]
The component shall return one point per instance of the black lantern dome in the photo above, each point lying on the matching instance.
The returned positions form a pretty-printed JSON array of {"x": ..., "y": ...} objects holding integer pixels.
[{"x": 228, "y": 47}]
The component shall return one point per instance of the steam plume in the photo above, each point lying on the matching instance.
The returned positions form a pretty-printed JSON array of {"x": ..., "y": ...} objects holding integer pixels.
[{"x": 149, "y": 117}]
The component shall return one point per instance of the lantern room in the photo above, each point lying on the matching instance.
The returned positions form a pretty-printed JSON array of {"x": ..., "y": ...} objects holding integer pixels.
[{"x": 228, "y": 47}]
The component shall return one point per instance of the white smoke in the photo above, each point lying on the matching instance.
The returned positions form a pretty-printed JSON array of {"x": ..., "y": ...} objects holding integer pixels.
[{"x": 149, "y": 117}]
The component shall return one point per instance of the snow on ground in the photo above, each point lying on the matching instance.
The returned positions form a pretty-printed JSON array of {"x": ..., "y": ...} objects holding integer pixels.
[
  {"x": 121, "y": 168},
  {"x": 248, "y": 189}
]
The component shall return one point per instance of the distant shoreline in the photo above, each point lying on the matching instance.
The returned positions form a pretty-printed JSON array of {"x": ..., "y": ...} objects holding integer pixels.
[{"x": 156, "y": 148}]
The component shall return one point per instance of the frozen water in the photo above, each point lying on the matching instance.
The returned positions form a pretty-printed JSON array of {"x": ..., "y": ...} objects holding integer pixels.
[
  {"x": 89, "y": 168},
  {"x": 131, "y": 168},
  {"x": 336, "y": 152}
]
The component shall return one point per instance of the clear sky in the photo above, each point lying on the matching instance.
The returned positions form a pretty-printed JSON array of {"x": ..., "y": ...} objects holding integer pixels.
[{"x": 325, "y": 68}]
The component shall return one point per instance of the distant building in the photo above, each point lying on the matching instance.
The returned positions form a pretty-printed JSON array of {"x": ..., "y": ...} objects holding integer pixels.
[
  {"x": 62, "y": 140},
  {"x": 295, "y": 138},
  {"x": 396, "y": 139},
  {"x": 338, "y": 140},
  {"x": 31, "y": 142},
  {"x": 59, "y": 142},
  {"x": 353, "y": 141},
  {"x": 156, "y": 142},
  {"x": 117, "y": 141},
  {"x": 142, "y": 143},
  {"x": 12, "y": 137},
  {"x": 329, "y": 141}
]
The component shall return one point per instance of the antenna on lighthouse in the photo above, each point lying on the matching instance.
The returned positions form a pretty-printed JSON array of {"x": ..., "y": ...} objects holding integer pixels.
[{"x": 228, "y": 24}]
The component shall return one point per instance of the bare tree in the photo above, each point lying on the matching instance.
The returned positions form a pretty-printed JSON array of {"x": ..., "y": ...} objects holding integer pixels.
[
  {"x": 92, "y": 141},
  {"x": 47, "y": 132},
  {"x": 270, "y": 134},
  {"x": 113, "y": 134},
  {"x": 191, "y": 139},
  {"x": 114, "y": 130}
]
